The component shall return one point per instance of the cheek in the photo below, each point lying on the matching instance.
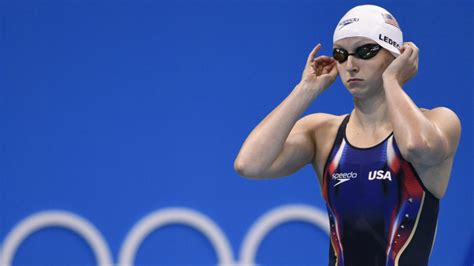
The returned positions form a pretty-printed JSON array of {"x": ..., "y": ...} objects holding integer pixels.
[
  {"x": 388, "y": 59},
  {"x": 384, "y": 66},
  {"x": 379, "y": 68},
  {"x": 373, "y": 73},
  {"x": 340, "y": 69},
  {"x": 380, "y": 63}
]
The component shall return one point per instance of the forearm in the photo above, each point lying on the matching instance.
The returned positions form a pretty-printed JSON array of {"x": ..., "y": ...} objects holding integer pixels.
[
  {"x": 415, "y": 133},
  {"x": 266, "y": 141}
]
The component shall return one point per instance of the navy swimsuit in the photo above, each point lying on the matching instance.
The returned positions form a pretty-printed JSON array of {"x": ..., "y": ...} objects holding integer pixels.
[{"x": 379, "y": 211}]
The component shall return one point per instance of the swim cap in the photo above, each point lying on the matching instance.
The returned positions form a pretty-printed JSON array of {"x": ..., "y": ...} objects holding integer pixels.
[{"x": 372, "y": 22}]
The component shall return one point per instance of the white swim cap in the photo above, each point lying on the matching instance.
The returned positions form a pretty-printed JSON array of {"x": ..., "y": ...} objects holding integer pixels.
[{"x": 372, "y": 22}]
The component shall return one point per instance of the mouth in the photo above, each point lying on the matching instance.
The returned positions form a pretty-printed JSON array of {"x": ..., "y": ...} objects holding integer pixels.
[{"x": 354, "y": 80}]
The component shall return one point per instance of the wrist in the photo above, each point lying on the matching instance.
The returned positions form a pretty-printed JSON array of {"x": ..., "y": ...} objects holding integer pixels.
[
  {"x": 309, "y": 87},
  {"x": 390, "y": 80},
  {"x": 307, "y": 90}
]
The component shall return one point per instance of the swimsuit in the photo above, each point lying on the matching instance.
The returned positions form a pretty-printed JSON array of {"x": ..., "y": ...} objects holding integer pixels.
[{"x": 379, "y": 211}]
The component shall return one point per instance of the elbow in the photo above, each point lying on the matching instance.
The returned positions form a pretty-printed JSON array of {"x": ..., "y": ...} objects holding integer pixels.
[
  {"x": 239, "y": 167},
  {"x": 415, "y": 149},
  {"x": 244, "y": 169},
  {"x": 425, "y": 152}
]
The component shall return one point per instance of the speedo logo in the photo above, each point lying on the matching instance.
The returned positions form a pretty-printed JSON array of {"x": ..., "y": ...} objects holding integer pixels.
[
  {"x": 380, "y": 175},
  {"x": 347, "y": 22},
  {"x": 343, "y": 177}
]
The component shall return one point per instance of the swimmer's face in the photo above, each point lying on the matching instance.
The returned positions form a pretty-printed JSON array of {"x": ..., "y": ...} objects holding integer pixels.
[{"x": 369, "y": 71}]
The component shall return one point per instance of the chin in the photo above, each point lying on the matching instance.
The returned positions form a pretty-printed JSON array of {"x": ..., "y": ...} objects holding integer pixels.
[{"x": 357, "y": 91}]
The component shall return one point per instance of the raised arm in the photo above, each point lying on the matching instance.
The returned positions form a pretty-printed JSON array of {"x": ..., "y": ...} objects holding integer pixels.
[
  {"x": 282, "y": 143},
  {"x": 425, "y": 138}
]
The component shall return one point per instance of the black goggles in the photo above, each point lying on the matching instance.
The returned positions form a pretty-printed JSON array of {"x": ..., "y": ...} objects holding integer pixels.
[{"x": 365, "y": 52}]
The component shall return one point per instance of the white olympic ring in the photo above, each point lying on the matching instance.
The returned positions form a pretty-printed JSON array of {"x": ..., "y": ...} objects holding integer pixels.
[
  {"x": 157, "y": 219},
  {"x": 273, "y": 219},
  {"x": 175, "y": 215},
  {"x": 51, "y": 219}
]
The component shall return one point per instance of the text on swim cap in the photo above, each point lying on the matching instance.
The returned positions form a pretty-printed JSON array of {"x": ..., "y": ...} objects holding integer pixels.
[
  {"x": 347, "y": 22},
  {"x": 389, "y": 41}
]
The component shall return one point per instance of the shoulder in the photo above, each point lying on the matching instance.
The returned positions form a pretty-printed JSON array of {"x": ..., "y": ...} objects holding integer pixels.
[
  {"x": 439, "y": 110},
  {"x": 323, "y": 129},
  {"x": 443, "y": 116},
  {"x": 318, "y": 120},
  {"x": 321, "y": 124},
  {"x": 446, "y": 121},
  {"x": 442, "y": 111}
]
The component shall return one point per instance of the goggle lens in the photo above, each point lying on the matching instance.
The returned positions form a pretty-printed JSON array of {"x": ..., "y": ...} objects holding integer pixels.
[{"x": 365, "y": 52}]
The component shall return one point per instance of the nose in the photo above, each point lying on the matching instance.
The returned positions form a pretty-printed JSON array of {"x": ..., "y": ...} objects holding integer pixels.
[{"x": 351, "y": 64}]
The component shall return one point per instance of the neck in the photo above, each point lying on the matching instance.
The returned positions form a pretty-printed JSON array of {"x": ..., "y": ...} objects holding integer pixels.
[{"x": 371, "y": 113}]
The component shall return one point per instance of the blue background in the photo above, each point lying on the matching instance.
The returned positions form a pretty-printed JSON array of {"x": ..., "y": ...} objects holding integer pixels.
[{"x": 114, "y": 109}]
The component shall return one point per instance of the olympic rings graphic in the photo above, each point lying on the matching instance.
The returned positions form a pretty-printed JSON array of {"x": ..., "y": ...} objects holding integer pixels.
[
  {"x": 64, "y": 219},
  {"x": 157, "y": 219}
]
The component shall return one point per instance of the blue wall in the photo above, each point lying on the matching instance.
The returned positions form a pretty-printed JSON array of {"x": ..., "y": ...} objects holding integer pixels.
[{"x": 114, "y": 109}]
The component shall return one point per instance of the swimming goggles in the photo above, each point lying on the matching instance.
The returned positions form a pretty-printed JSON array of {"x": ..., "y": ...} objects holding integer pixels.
[{"x": 365, "y": 52}]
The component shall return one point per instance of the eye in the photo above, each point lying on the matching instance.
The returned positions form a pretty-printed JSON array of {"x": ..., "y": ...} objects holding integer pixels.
[
  {"x": 340, "y": 54},
  {"x": 367, "y": 51},
  {"x": 365, "y": 48}
]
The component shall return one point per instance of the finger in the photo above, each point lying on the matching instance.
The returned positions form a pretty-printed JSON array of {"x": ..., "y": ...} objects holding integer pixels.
[
  {"x": 334, "y": 71},
  {"x": 319, "y": 70},
  {"x": 313, "y": 53},
  {"x": 323, "y": 59},
  {"x": 413, "y": 45},
  {"x": 414, "y": 56},
  {"x": 402, "y": 49},
  {"x": 327, "y": 69},
  {"x": 406, "y": 51}
]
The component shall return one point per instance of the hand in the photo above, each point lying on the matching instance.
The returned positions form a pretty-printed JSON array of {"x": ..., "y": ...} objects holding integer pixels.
[
  {"x": 319, "y": 73},
  {"x": 405, "y": 66}
]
